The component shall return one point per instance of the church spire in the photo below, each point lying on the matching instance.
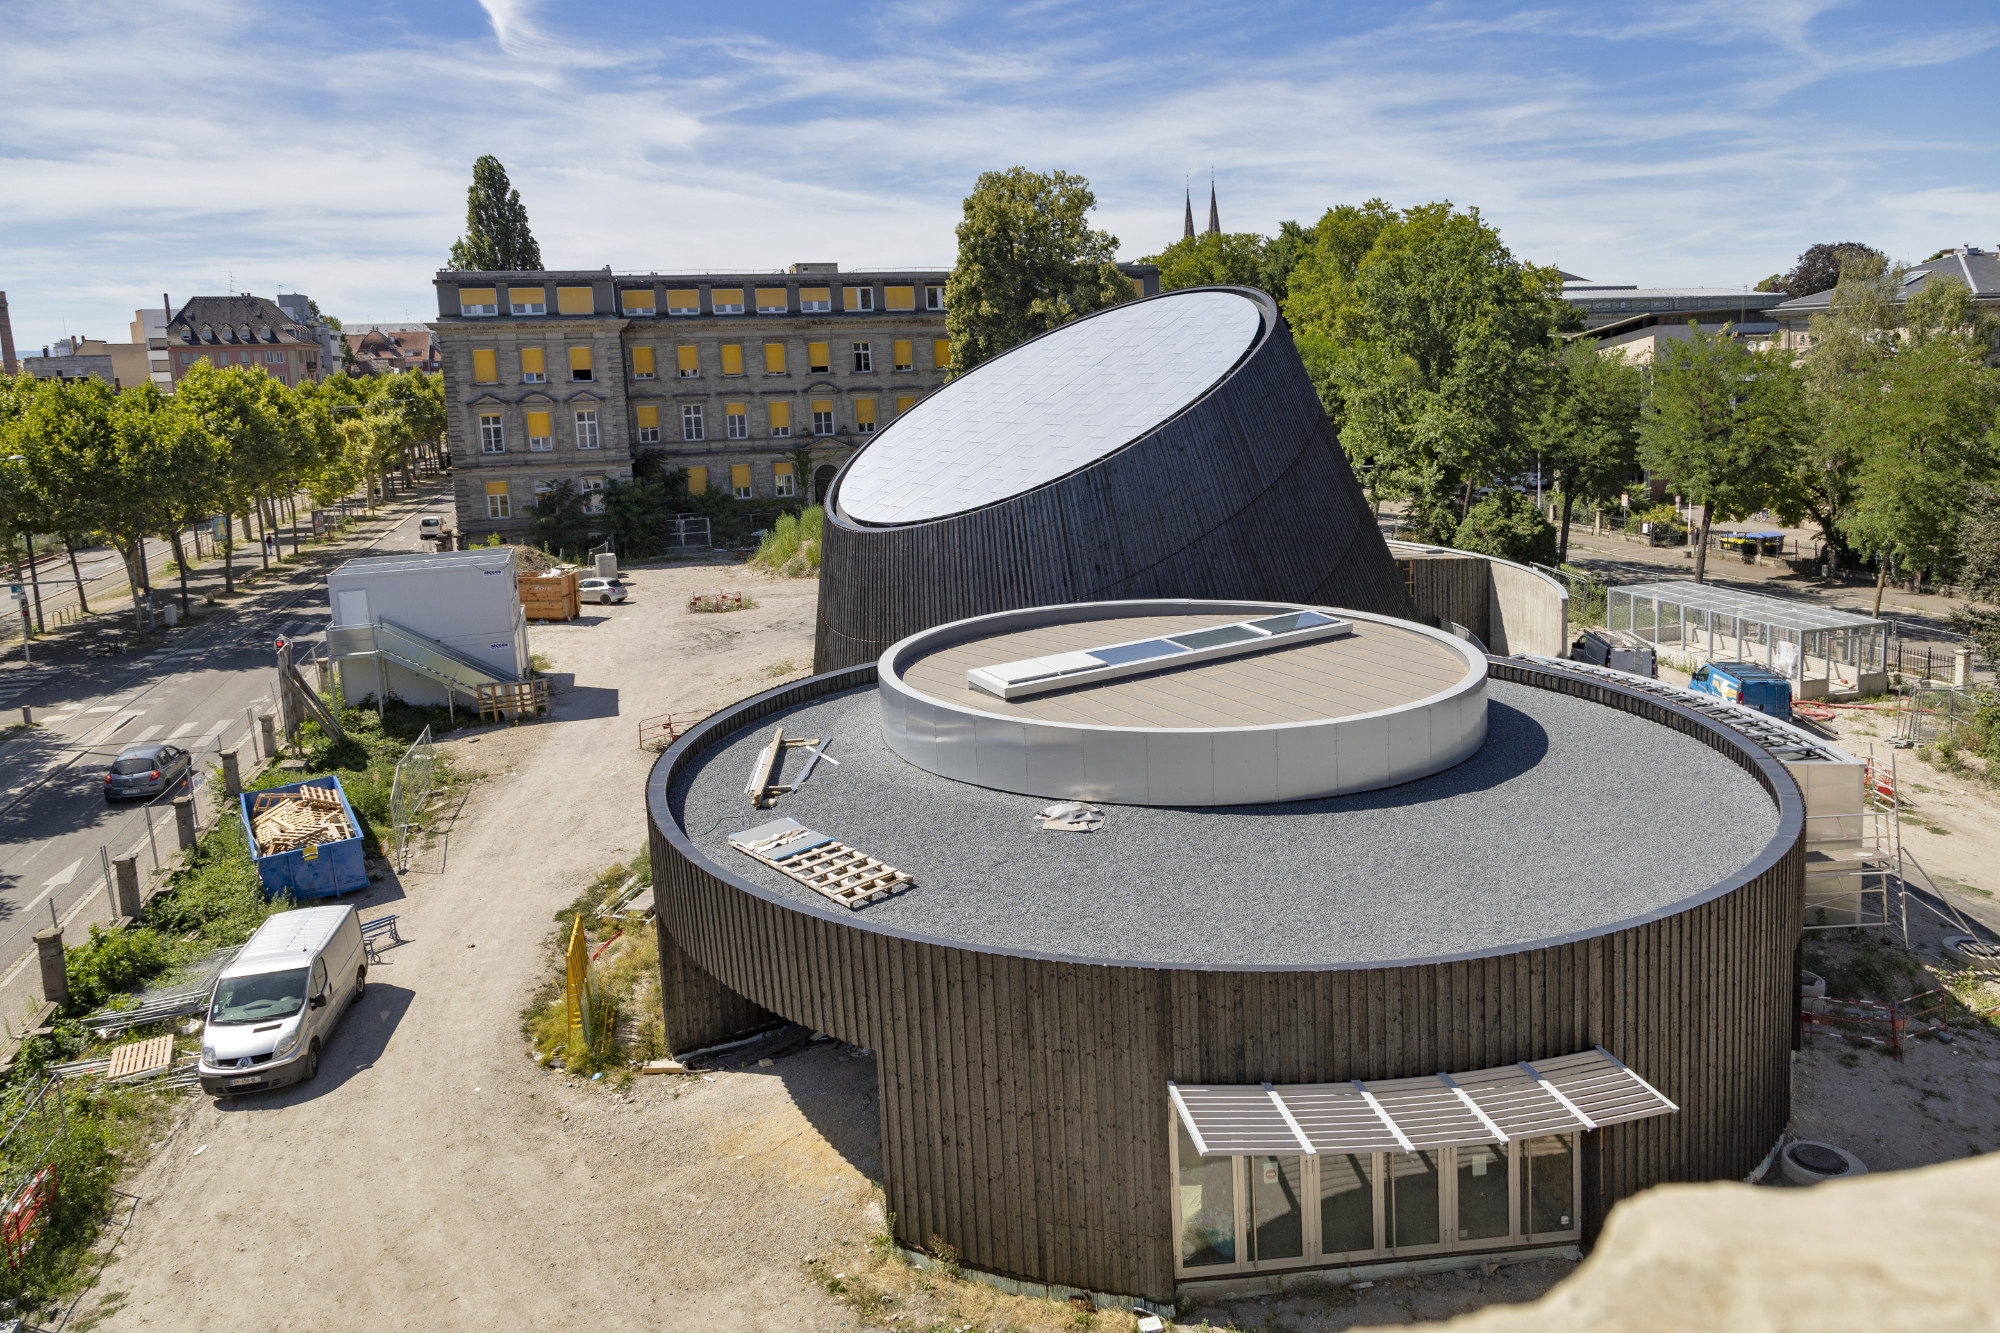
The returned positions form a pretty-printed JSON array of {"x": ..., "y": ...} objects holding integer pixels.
[
  {"x": 1188, "y": 233},
  {"x": 1214, "y": 226}
]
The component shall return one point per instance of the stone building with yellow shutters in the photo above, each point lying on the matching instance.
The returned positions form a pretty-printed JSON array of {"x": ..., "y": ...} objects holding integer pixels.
[{"x": 558, "y": 376}]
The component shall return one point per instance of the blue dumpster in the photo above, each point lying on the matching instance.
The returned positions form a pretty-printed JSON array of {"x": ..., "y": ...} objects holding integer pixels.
[{"x": 324, "y": 870}]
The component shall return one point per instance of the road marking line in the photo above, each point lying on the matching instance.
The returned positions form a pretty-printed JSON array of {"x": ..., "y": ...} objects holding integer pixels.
[
  {"x": 148, "y": 734},
  {"x": 63, "y": 876},
  {"x": 107, "y": 708},
  {"x": 182, "y": 730}
]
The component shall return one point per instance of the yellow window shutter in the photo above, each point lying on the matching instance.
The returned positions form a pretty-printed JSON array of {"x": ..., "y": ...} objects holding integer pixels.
[
  {"x": 771, "y": 298},
  {"x": 864, "y": 411},
  {"x": 732, "y": 409},
  {"x": 819, "y": 296},
  {"x": 686, "y": 302},
  {"x": 774, "y": 358},
  {"x": 822, "y": 405},
  {"x": 637, "y": 303},
  {"x": 575, "y": 301},
  {"x": 852, "y": 297},
  {"x": 726, "y": 300},
  {"x": 525, "y": 296},
  {"x": 538, "y": 425},
  {"x": 642, "y": 360},
  {"x": 697, "y": 481},
  {"x": 899, "y": 298},
  {"x": 903, "y": 353},
  {"x": 739, "y": 476},
  {"x": 781, "y": 469},
  {"x": 485, "y": 367},
  {"x": 649, "y": 416},
  {"x": 1138, "y": 287},
  {"x": 904, "y": 402},
  {"x": 684, "y": 359},
  {"x": 496, "y": 488},
  {"x": 941, "y": 353},
  {"x": 579, "y": 359},
  {"x": 532, "y": 361},
  {"x": 475, "y": 298},
  {"x": 781, "y": 416},
  {"x": 816, "y": 356},
  {"x": 732, "y": 358}
]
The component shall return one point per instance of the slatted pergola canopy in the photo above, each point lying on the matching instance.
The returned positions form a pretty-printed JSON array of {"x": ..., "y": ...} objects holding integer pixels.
[{"x": 1520, "y": 1101}]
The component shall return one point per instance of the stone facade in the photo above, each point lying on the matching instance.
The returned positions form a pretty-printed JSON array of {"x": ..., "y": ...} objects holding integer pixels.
[{"x": 725, "y": 375}]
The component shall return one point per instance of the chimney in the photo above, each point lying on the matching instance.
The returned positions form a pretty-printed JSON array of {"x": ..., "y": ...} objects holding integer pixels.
[
  {"x": 6, "y": 337},
  {"x": 167, "y": 306}
]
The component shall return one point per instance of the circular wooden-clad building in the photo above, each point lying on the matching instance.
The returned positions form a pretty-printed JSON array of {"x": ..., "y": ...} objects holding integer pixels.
[
  {"x": 1169, "y": 447},
  {"x": 1371, "y": 951}
]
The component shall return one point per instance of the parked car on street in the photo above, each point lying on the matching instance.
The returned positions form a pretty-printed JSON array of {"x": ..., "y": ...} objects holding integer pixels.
[
  {"x": 602, "y": 591},
  {"x": 146, "y": 770}
]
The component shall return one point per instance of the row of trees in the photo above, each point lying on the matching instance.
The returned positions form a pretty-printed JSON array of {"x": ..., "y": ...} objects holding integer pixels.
[{"x": 80, "y": 461}]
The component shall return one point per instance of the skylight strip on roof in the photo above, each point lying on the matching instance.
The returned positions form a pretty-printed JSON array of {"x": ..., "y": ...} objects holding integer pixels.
[{"x": 1114, "y": 661}]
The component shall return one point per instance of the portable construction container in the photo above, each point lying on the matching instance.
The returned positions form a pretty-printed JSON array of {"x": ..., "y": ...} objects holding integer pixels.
[
  {"x": 550, "y": 596},
  {"x": 316, "y": 870},
  {"x": 467, "y": 603},
  {"x": 1746, "y": 683}
]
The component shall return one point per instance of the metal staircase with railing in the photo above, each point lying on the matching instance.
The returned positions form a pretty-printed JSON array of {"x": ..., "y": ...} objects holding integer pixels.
[{"x": 387, "y": 641}]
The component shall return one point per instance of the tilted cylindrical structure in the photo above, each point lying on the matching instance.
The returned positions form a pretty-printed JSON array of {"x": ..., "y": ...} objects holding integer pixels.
[{"x": 1170, "y": 447}]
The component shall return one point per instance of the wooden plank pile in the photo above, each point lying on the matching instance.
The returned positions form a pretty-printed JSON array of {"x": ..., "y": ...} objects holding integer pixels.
[
  {"x": 285, "y": 821},
  {"x": 852, "y": 879},
  {"x": 141, "y": 1057}
]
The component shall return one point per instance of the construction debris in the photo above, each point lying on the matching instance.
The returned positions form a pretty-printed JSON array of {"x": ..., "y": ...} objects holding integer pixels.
[
  {"x": 821, "y": 863},
  {"x": 283, "y": 821},
  {"x": 1071, "y": 816},
  {"x": 761, "y": 789},
  {"x": 141, "y": 1057}
]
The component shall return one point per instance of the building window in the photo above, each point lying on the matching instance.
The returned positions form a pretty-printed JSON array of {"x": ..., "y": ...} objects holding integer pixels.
[
  {"x": 691, "y": 428},
  {"x": 498, "y": 503},
  {"x": 491, "y": 440},
  {"x": 636, "y": 303},
  {"x": 534, "y": 366},
  {"x": 593, "y": 495},
  {"x": 732, "y": 358},
  {"x": 579, "y": 365},
  {"x": 774, "y": 358},
  {"x": 187, "y": 358},
  {"x": 478, "y": 301},
  {"x": 649, "y": 424},
  {"x": 737, "y": 424},
  {"x": 726, "y": 300},
  {"x": 860, "y": 298},
  {"x": 816, "y": 300},
  {"x": 822, "y": 418},
  {"x": 785, "y": 485},
  {"x": 697, "y": 481},
  {"x": 642, "y": 363},
  {"x": 739, "y": 480},
  {"x": 905, "y": 357},
  {"x": 941, "y": 353},
  {"x": 864, "y": 358},
  {"x": 904, "y": 402},
  {"x": 933, "y": 298},
  {"x": 781, "y": 421},
  {"x": 541, "y": 437},
  {"x": 485, "y": 367},
  {"x": 527, "y": 301},
  {"x": 686, "y": 359},
  {"x": 771, "y": 300},
  {"x": 819, "y": 358},
  {"x": 273, "y": 357},
  {"x": 899, "y": 298},
  {"x": 575, "y": 301},
  {"x": 586, "y": 430},
  {"x": 864, "y": 415},
  {"x": 686, "y": 302}
]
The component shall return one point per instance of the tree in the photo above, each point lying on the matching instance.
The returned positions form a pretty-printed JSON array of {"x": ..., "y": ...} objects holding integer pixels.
[
  {"x": 1979, "y": 546},
  {"x": 497, "y": 239},
  {"x": 1818, "y": 269},
  {"x": 1507, "y": 525},
  {"x": 229, "y": 406},
  {"x": 1282, "y": 254},
  {"x": 1588, "y": 430},
  {"x": 560, "y": 523},
  {"x": 1028, "y": 262},
  {"x": 1720, "y": 425},
  {"x": 1233, "y": 259},
  {"x": 1842, "y": 375},
  {"x": 63, "y": 432},
  {"x": 1431, "y": 346}
]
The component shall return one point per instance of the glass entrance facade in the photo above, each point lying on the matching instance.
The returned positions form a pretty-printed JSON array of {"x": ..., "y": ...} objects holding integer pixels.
[{"x": 1257, "y": 1213}]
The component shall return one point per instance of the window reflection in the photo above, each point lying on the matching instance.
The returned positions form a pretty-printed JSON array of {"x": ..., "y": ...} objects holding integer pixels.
[
  {"x": 1482, "y": 1192},
  {"x": 1548, "y": 1178},
  {"x": 1346, "y": 1203},
  {"x": 1208, "y": 1207},
  {"x": 1413, "y": 1198},
  {"x": 1277, "y": 1207}
]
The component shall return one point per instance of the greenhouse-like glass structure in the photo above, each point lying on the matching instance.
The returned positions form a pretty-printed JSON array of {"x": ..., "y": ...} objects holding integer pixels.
[{"x": 1824, "y": 651}]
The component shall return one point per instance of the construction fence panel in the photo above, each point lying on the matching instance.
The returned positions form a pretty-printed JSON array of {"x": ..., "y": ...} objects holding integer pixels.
[{"x": 416, "y": 773}]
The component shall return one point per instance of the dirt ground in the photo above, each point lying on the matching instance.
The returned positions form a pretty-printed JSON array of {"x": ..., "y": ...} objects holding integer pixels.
[{"x": 434, "y": 1177}]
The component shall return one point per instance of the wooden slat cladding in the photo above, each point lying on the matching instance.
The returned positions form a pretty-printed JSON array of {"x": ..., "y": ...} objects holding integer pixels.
[
  {"x": 1243, "y": 494},
  {"x": 1451, "y": 587},
  {"x": 1023, "y": 1109}
]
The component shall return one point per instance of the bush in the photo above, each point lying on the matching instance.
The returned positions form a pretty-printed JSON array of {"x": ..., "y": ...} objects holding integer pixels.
[
  {"x": 110, "y": 964},
  {"x": 1507, "y": 524},
  {"x": 791, "y": 548}
]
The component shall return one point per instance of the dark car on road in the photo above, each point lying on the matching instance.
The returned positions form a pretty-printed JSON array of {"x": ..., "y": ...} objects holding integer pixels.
[{"x": 146, "y": 770}]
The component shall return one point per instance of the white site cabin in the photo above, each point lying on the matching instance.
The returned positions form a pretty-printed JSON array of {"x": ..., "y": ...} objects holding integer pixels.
[{"x": 405, "y": 625}]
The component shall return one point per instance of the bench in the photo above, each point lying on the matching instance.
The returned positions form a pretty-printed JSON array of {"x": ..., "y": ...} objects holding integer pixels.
[{"x": 378, "y": 935}]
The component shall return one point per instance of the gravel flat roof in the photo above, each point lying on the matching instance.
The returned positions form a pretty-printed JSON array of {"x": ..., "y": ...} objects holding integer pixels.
[{"x": 1572, "y": 817}]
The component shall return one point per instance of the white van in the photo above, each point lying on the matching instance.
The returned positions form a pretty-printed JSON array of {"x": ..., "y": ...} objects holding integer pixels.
[
  {"x": 430, "y": 527},
  {"x": 273, "y": 1008}
]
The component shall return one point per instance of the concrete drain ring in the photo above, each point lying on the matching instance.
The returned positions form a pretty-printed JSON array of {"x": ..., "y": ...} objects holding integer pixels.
[{"x": 1809, "y": 1163}]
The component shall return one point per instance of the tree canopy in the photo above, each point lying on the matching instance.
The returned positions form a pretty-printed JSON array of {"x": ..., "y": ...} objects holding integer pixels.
[
  {"x": 1028, "y": 261},
  {"x": 1818, "y": 269},
  {"x": 1588, "y": 429},
  {"x": 1211, "y": 259},
  {"x": 497, "y": 238}
]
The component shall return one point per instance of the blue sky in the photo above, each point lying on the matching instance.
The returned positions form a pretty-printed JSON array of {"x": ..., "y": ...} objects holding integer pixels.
[{"x": 325, "y": 148}]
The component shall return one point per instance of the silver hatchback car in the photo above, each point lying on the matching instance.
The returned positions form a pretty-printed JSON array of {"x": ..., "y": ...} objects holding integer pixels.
[
  {"x": 147, "y": 770},
  {"x": 602, "y": 591}
]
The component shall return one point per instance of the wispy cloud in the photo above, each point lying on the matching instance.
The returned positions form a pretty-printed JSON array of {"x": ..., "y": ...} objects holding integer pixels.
[{"x": 327, "y": 150}]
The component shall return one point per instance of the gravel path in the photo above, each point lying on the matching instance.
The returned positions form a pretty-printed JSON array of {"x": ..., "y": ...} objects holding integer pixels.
[{"x": 1572, "y": 816}]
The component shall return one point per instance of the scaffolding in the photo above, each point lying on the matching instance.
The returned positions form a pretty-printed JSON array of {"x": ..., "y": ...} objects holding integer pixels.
[
  {"x": 1854, "y": 862},
  {"x": 1824, "y": 652}
]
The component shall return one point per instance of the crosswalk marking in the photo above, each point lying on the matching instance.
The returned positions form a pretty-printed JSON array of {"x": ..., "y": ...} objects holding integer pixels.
[
  {"x": 148, "y": 734},
  {"x": 105, "y": 708},
  {"x": 182, "y": 730}
]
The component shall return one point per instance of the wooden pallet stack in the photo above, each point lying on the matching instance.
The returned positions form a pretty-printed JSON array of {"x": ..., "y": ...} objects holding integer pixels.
[
  {"x": 852, "y": 879},
  {"x": 284, "y": 821}
]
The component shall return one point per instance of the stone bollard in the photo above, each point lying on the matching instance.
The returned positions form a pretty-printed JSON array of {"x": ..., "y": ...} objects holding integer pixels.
[
  {"x": 27, "y": 717},
  {"x": 55, "y": 975},
  {"x": 267, "y": 728},
  {"x": 184, "y": 820},
  {"x": 232, "y": 775},
  {"x": 125, "y": 886},
  {"x": 1961, "y": 666}
]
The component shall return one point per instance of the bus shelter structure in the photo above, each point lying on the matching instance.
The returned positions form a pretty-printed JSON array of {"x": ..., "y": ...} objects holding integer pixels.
[{"x": 1826, "y": 653}]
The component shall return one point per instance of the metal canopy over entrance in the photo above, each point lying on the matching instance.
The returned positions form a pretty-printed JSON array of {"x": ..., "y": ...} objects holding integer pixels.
[{"x": 1586, "y": 1090}]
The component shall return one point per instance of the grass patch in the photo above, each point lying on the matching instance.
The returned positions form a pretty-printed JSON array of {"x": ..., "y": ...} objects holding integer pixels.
[
  {"x": 627, "y": 970},
  {"x": 791, "y": 548}
]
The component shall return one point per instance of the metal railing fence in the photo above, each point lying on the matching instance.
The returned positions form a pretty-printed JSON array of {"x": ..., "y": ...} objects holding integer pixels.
[{"x": 416, "y": 772}]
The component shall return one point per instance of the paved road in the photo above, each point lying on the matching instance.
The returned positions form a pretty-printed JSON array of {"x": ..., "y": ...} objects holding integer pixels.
[{"x": 55, "y": 825}]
